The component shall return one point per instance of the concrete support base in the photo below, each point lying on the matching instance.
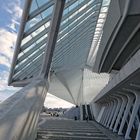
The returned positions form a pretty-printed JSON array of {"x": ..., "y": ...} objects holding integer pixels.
[{"x": 20, "y": 112}]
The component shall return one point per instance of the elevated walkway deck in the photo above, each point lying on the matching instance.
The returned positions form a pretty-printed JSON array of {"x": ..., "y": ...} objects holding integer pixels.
[{"x": 65, "y": 129}]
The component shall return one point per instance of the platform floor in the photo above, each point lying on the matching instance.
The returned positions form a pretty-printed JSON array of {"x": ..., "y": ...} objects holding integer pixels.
[{"x": 64, "y": 129}]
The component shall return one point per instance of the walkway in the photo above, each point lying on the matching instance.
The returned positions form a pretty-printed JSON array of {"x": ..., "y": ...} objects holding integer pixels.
[{"x": 63, "y": 129}]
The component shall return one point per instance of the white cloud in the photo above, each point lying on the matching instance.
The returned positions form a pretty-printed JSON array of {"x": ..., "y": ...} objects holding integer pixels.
[
  {"x": 4, "y": 61},
  {"x": 4, "y": 81},
  {"x": 17, "y": 11},
  {"x": 7, "y": 41},
  {"x": 8, "y": 38},
  {"x": 14, "y": 9},
  {"x": 52, "y": 101}
]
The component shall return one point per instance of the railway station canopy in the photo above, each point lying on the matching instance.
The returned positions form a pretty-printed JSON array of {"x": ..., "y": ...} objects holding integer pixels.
[{"x": 80, "y": 30}]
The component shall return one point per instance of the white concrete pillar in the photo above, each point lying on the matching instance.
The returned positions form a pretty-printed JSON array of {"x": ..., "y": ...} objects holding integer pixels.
[
  {"x": 138, "y": 133},
  {"x": 100, "y": 114},
  {"x": 109, "y": 113},
  {"x": 108, "y": 110},
  {"x": 116, "y": 113},
  {"x": 104, "y": 115},
  {"x": 126, "y": 112},
  {"x": 133, "y": 115},
  {"x": 124, "y": 102},
  {"x": 112, "y": 112}
]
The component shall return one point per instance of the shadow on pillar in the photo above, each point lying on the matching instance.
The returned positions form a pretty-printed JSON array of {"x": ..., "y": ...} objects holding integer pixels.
[
  {"x": 135, "y": 125},
  {"x": 88, "y": 112},
  {"x": 84, "y": 112}
]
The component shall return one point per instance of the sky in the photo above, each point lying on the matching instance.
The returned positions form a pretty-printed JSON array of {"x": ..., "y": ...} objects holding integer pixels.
[{"x": 10, "y": 15}]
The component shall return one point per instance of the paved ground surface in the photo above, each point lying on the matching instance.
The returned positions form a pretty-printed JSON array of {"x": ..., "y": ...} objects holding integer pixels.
[{"x": 63, "y": 129}]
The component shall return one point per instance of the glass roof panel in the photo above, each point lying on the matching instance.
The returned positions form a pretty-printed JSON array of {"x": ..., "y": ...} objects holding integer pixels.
[
  {"x": 34, "y": 40},
  {"x": 98, "y": 33},
  {"x": 81, "y": 23},
  {"x": 33, "y": 6},
  {"x": 75, "y": 34}
]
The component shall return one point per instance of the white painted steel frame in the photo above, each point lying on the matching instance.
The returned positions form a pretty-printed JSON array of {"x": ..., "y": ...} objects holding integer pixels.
[
  {"x": 30, "y": 16},
  {"x": 36, "y": 54},
  {"x": 58, "y": 10}
]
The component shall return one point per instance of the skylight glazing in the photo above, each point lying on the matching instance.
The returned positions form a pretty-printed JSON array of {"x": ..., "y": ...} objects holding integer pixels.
[
  {"x": 81, "y": 24},
  {"x": 34, "y": 40},
  {"x": 75, "y": 34},
  {"x": 98, "y": 33}
]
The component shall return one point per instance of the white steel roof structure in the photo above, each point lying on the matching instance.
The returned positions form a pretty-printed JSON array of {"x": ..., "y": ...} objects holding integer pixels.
[{"x": 69, "y": 32}]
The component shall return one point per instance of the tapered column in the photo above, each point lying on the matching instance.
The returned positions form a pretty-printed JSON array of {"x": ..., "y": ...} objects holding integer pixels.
[
  {"x": 138, "y": 133},
  {"x": 133, "y": 115},
  {"x": 104, "y": 115},
  {"x": 116, "y": 113},
  {"x": 112, "y": 113},
  {"x": 109, "y": 113},
  {"x": 100, "y": 116},
  {"x": 124, "y": 99},
  {"x": 126, "y": 112}
]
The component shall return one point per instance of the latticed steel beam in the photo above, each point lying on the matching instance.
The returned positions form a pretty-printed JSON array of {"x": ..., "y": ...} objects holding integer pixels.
[
  {"x": 38, "y": 25},
  {"x": 52, "y": 37},
  {"x": 45, "y": 20},
  {"x": 26, "y": 45},
  {"x": 29, "y": 68},
  {"x": 61, "y": 28}
]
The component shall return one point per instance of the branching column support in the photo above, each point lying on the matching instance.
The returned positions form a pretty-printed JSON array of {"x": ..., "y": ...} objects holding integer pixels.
[
  {"x": 134, "y": 113},
  {"x": 131, "y": 98},
  {"x": 116, "y": 112},
  {"x": 106, "y": 113},
  {"x": 112, "y": 112},
  {"x": 124, "y": 102},
  {"x": 109, "y": 112}
]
